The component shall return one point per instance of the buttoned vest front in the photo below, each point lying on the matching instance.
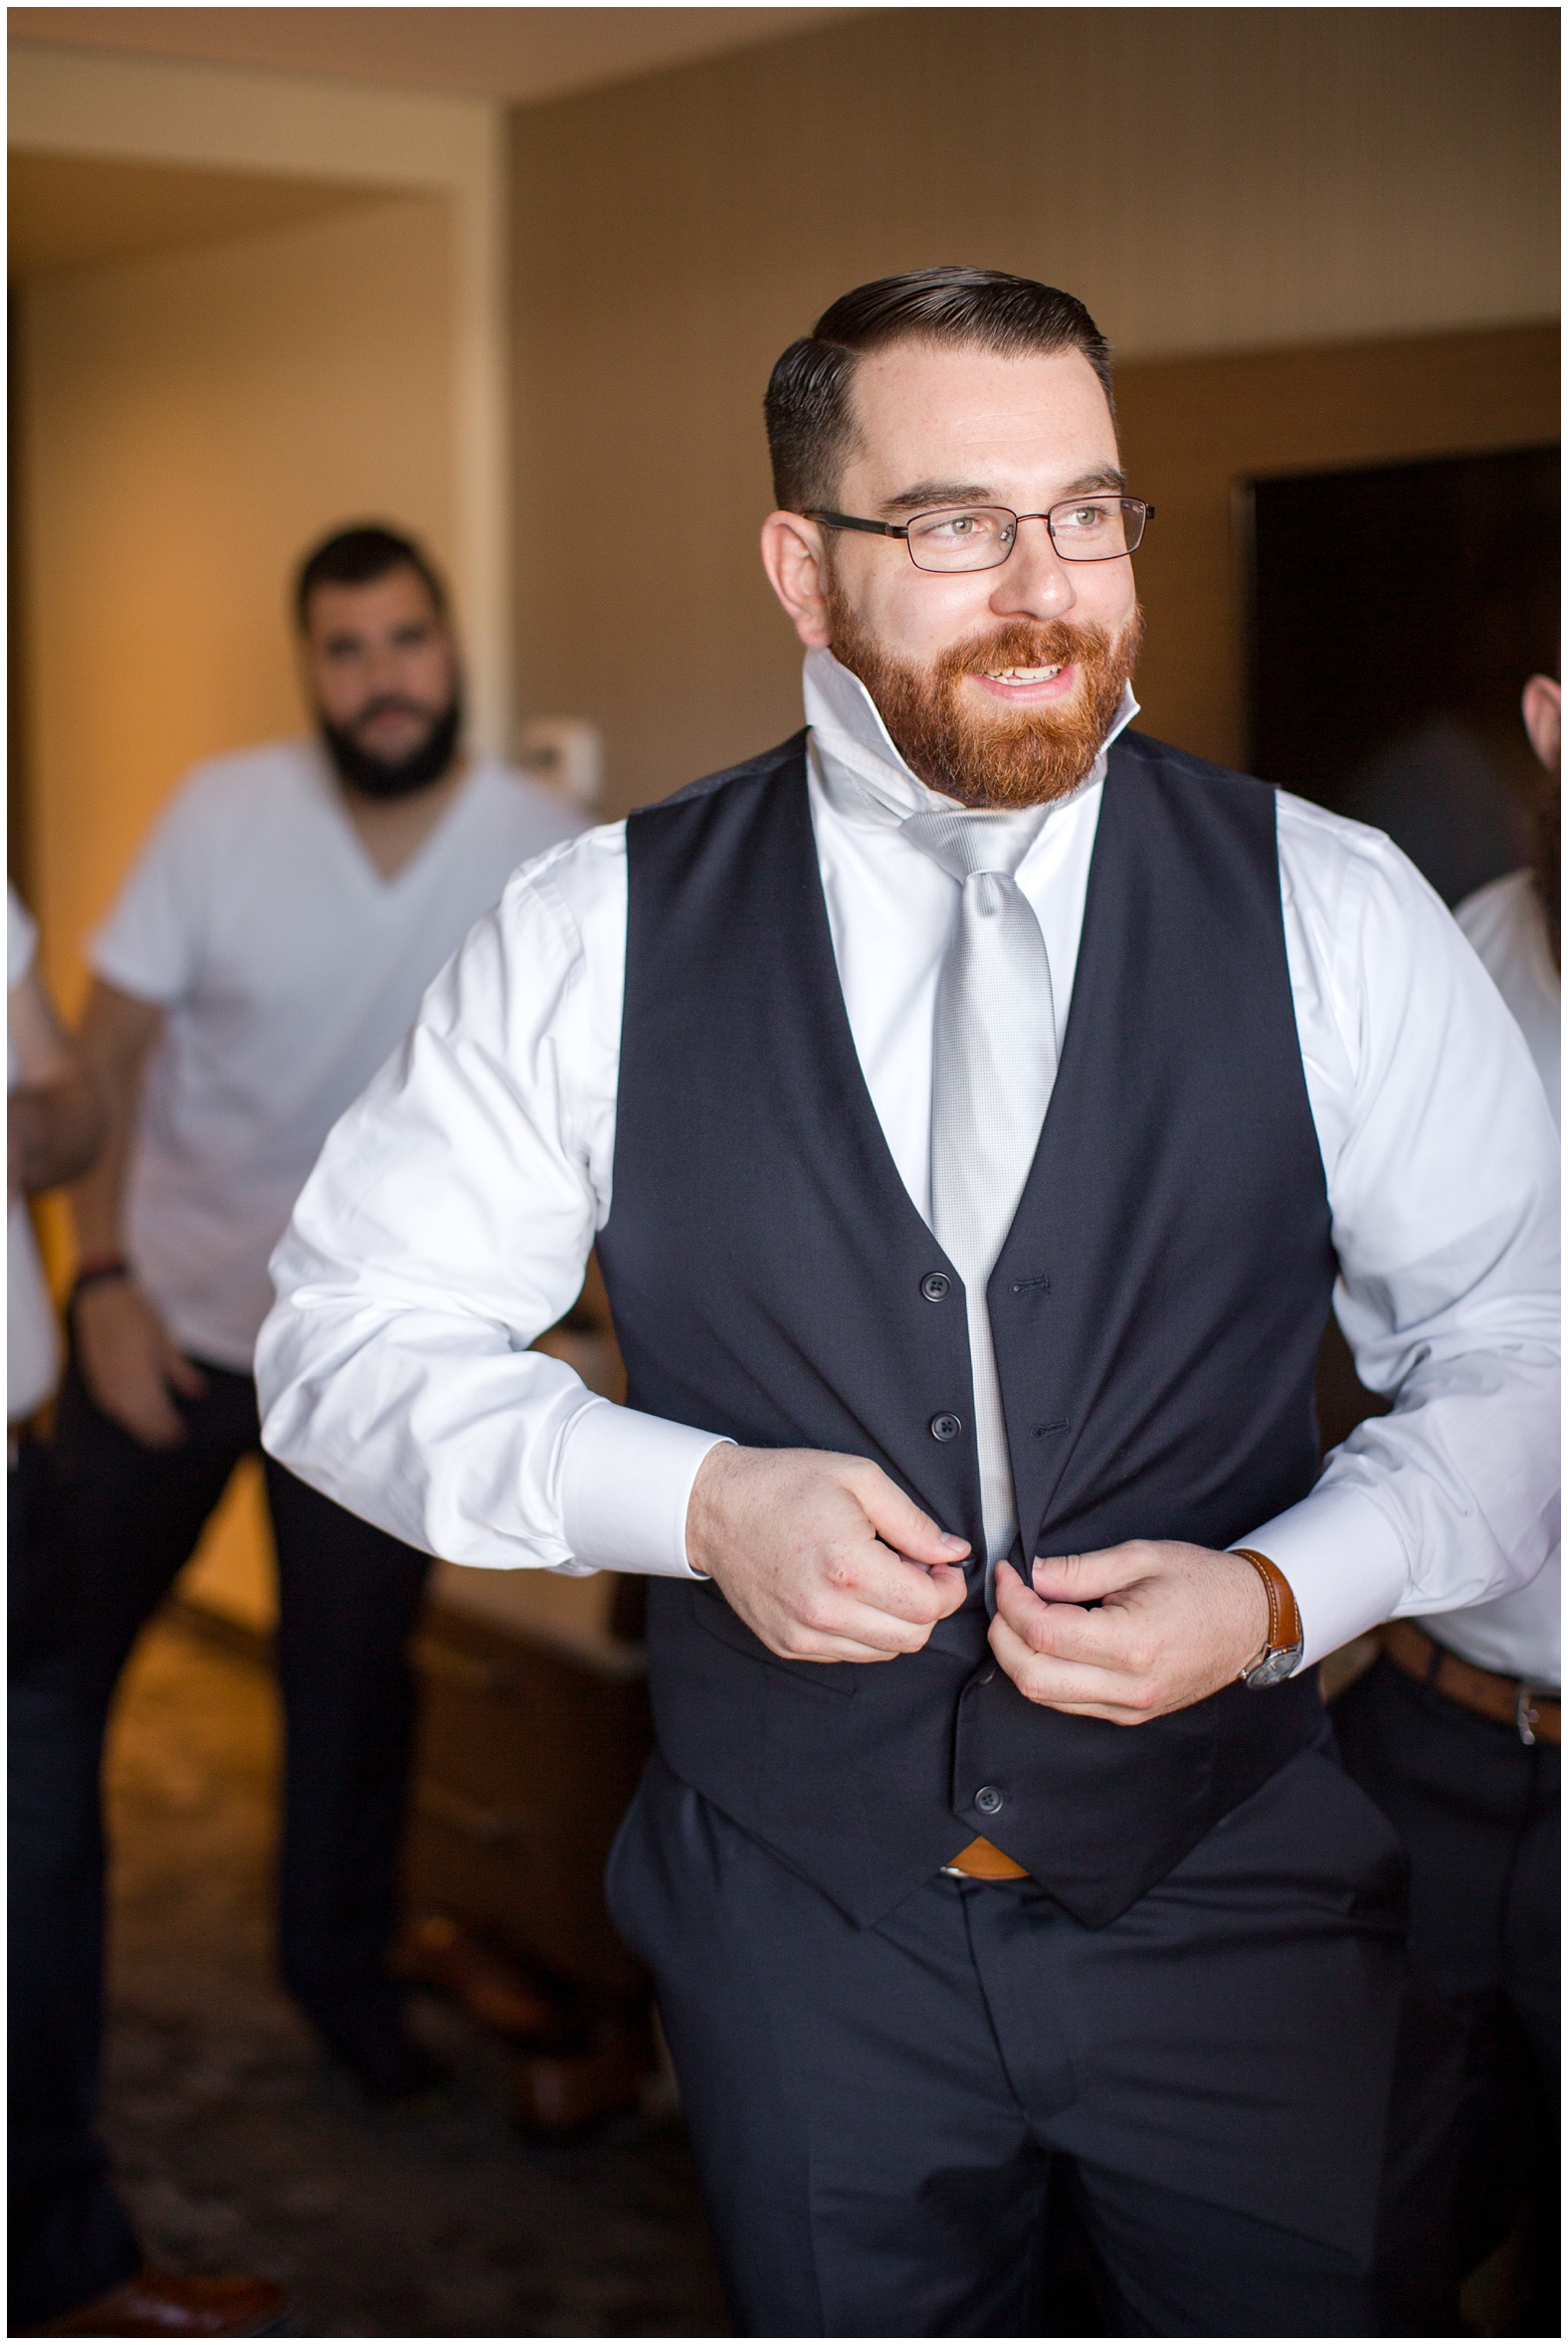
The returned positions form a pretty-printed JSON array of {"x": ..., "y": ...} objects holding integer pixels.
[{"x": 1156, "y": 1311}]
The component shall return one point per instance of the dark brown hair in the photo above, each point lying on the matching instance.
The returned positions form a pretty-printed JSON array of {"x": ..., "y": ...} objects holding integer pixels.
[
  {"x": 808, "y": 396},
  {"x": 357, "y": 556}
]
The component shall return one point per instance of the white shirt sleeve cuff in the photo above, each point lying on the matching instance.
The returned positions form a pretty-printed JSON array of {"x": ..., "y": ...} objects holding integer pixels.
[
  {"x": 625, "y": 1484},
  {"x": 1343, "y": 1560}
]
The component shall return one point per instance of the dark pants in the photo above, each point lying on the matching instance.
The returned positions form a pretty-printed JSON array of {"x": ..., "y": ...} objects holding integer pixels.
[
  {"x": 876, "y": 2113},
  {"x": 70, "y": 2237},
  {"x": 126, "y": 1519},
  {"x": 1478, "y": 1813}
]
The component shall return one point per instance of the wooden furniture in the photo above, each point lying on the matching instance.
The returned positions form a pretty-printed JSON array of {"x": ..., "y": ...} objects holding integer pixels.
[
  {"x": 534, "y": 1726},
  {"x": 533, "y": 1730}
]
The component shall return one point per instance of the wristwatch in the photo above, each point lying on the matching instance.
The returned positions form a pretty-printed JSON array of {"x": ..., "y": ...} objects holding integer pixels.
[{"x": 1285, "y": 1634}]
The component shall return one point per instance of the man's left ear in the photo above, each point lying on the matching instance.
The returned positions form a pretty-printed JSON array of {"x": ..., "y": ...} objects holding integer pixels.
[{"x": 795, "y": 559}]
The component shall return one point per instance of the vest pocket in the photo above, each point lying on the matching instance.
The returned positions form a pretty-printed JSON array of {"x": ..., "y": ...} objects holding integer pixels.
[{"x": 835, "y": 1678}]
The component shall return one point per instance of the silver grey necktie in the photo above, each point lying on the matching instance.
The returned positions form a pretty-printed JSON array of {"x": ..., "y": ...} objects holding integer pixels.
[{"x": 993, "y": 1066}]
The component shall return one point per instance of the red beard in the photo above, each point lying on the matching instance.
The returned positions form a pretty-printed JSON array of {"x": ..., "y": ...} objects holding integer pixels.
[{"x": 1025, "y": 757}]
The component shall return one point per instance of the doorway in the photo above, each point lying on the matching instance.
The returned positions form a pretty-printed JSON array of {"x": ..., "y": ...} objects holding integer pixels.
[{"x": 1396, "y": 613}]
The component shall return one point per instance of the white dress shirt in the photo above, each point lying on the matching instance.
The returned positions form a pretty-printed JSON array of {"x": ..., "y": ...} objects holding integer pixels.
[
  {"x": 451, "y": 1215},
  {"x": 1520, "y": 1634}
]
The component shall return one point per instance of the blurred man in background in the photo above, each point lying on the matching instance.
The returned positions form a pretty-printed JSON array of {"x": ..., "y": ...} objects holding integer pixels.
[
  {"x": 1457, "y": 1733},
  {"x": 267, "y": 953},
  {"x": 74, "y": 2254}
]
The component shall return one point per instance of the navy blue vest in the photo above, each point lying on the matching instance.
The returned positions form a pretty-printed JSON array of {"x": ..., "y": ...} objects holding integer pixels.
[{"x": 1156, "y": 1311}]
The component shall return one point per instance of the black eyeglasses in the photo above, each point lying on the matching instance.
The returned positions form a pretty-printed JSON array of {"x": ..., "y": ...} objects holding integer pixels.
[{"x": 981, "y": 536}]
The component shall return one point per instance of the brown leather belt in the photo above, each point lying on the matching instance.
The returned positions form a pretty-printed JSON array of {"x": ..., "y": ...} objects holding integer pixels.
[
  {"x": 1534, "y": 1715},
  {"x": 981, "y": 1861}
]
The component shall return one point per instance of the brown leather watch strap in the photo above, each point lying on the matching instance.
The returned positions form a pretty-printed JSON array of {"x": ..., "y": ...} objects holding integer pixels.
[{"x": 1284, "y": 1621}]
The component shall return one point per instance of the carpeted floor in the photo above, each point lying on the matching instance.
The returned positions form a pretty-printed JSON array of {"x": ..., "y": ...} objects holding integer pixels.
[{"x": 238, "y": 2148}]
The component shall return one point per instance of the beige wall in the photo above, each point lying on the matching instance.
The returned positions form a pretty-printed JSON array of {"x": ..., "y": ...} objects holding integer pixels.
[
  {"x": 190, "y": 421},
  {"x": 1208, "y": 181}
]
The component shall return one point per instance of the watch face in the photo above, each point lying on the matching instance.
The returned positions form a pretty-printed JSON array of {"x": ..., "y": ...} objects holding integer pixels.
[{"x": 1275, "y": 1667}]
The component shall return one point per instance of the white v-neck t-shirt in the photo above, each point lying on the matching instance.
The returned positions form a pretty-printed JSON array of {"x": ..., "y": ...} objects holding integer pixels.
[
  {"x": 1508, "y": 927},
  {"x": 288, "y": 969}
]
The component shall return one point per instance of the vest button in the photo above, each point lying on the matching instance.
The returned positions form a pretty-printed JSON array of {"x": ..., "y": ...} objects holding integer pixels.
[
  {"x": 946, "y": 1429},
  {"x": 935, "y": 1285},
  {"x": 988, "y": 1798}
]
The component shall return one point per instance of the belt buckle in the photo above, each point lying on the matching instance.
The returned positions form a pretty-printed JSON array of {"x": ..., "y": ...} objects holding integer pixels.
[{"x": 1525, "y": 1715}]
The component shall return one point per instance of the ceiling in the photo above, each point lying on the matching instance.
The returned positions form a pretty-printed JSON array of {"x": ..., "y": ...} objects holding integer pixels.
[
  {"x": 512, "y": 54},
  {"x": 71, "y": 211}
]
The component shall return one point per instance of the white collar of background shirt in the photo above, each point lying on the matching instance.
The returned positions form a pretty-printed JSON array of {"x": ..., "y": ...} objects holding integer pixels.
[{"x": 846, "y": 726}]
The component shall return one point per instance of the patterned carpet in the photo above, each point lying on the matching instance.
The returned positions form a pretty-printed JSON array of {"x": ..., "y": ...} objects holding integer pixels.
[{"x": 238, "y": 2148}]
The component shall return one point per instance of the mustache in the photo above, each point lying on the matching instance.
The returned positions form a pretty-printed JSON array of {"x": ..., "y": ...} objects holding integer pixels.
[
  {"x": 391, "y": 704},
  {"x": 1028, "y": 643}
]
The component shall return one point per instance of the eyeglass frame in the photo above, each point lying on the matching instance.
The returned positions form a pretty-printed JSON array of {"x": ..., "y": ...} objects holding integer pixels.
[{"x": 903, "y": 528}]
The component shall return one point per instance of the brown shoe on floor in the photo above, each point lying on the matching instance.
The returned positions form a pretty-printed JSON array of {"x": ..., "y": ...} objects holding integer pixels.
[
  {"x": 558, "y": 2095},
  {"x": 166, "y": 2304},
  {"x": 497, "y": 1993}
]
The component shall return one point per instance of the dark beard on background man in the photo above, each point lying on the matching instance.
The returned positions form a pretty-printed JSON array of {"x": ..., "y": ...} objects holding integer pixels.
[
  {"x": 1018, "y": 757},
  {"x": 383, "y": 777}
]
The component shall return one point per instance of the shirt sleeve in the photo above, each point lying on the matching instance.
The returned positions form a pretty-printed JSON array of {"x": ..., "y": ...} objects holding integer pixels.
[
  {"x": 1442, "y": 1169},
  {"x": 149, "y": 946},
  {"x": 446, "y": 1224}
]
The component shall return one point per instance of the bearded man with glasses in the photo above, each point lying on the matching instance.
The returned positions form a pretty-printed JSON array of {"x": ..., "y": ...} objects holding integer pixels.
[{"x": 976, "y": 1104}]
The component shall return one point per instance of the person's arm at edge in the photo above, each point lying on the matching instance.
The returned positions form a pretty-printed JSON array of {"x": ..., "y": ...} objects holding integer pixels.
[
  {"x": 118, "y": 1035},
  {"x": 55, "y": 1117},
  {"x": 129, "y": 1362}
]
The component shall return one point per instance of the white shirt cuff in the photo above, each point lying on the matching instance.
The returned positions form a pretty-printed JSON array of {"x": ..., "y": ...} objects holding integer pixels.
[
  {"x": 1343, "y": 1560},
  {"x": 625, "y": 1486}
]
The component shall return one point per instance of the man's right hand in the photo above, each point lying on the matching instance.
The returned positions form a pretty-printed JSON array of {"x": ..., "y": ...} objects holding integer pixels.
[
  {"x": 821, "y": 1555},
  {"x": 130, "y": 1363}
]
